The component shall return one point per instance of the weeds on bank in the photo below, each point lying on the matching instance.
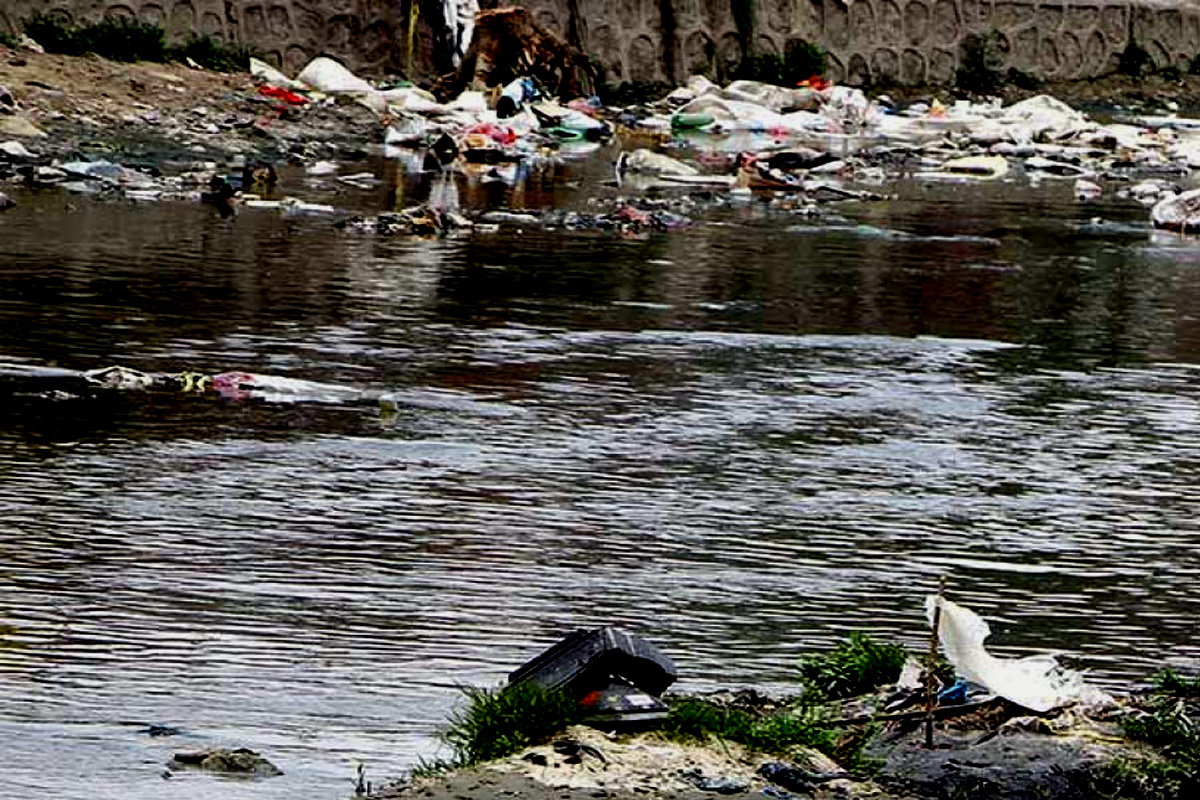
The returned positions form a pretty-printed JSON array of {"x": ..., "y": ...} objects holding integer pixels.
[
  {"x": 778, "y": 733},
  {"x": 213, "y": 54},
  {"x": 499, "y": 722},
  {"x": 856, "y": 666},
  {"x": 1142, "y": 778},
  {"x": 8, "y": 40},
  {"x": 801, "y": 61},
  {"x": 980, "y": 58},
  {"x": 1171, "y": 682},
  {"x": 1169, "y": 724},
  {"x": 131, "y": 40},
  {"x": 1135, "y": 61},
  {"x": 694, "y": 719}
]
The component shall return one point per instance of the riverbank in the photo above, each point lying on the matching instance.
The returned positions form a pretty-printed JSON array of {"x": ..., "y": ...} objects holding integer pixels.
[
  {"x": 65, "y": 105},
  {"x": 990, "y": 750}
]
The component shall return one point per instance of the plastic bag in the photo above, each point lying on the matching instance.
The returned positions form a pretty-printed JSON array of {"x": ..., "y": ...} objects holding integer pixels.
[
  {"x": 1035, "y": 682},
  {"x": 326, "y": 75}
]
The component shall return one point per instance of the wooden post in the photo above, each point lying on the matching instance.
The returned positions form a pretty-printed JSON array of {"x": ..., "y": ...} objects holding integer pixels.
[
  {"x": 410, "y": 32},
  {"x": 931, "y": 664}
]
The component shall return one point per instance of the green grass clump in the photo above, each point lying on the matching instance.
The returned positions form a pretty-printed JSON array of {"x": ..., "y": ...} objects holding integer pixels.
[
  {"x": 212, "y": 53},
  {"x": 1168, "y": 681},
  {"x": 8, "y": 40},
  {"x": 1168, "y": 722},
  {"x": 693, "y": 719},
  {"x": 1135, "y": 61},
  {"x": 801, "y": 61},
  {"x": 1169, "y": 727},
  {"x": 979, "y": 55},
  {"x": 1142, "y": 778},
  {"x": 114, "y": 39},
  {"x": 53, "y": 35},
  {"x": 856, "y": 666},
  {"x": 499, "y": 722},
  {"x": 131, "y": 40}
]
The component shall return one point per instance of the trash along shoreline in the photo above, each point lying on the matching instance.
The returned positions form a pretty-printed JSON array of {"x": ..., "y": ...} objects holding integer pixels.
[
  {"x": 592, "y": 717},
  {"x": 167, "y": 133}
]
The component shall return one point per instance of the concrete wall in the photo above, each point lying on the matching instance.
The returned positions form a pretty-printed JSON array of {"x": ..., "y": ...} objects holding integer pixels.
[
  {"x": 288, "y": 32},
  {"x": 906, "y": 41}
]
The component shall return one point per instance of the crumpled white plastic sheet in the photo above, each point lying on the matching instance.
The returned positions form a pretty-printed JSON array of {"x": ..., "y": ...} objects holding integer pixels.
[{"x": 1036, "y": 682}]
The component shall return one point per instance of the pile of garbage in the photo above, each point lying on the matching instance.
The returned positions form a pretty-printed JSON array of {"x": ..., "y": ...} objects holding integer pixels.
[{"x": 522, "y": 101}]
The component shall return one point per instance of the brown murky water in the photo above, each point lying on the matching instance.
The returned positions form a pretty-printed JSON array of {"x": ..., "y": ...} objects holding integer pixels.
[{"x": 741, "y": 440}]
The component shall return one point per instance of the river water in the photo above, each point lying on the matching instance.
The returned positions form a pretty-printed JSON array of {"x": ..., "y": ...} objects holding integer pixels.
[{"x": 741, "y": 440}]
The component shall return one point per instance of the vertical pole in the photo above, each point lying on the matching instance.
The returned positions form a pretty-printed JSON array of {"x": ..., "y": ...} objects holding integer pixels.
[
  {"x": 931, "y": 664},
  {"x": 410, "y": 33}
]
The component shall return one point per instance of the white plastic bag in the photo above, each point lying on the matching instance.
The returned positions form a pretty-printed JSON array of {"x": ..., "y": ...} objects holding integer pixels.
[
  {"x": 329, "y": 76},
  {"x": 1035, "y": 682}
]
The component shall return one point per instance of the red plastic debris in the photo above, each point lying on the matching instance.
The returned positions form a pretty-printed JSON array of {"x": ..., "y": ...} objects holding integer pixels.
[
  {"x": 232, "y": 380},
  {"x": 279, "y": 93},
  {"x": 500, "y": 134}
]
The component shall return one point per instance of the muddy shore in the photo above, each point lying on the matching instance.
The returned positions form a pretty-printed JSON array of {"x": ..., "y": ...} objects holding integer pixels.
[{"x": 144, "y": 112}]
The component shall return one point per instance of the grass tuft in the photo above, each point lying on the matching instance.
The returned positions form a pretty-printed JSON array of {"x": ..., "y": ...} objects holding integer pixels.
[
  {"x": 499, "y": 722},
  {"x": 1135, "y": 61},
  {"x": 212, "y": 53},
  {"x": 1168, "y": 726},
  {"x": 979, "y": 55},
  {"x": 1142, "y": 778},
  {"x": 693, "y": 719},
  {"x": 131, "y": 40},
  {"x": 114, "y": 39},
  {"x": 856, "y": 666},
  {"x": 1168, "y": 723},
  {"x": 1168, "y": 681},
  {"x": 801, "y": 61}
]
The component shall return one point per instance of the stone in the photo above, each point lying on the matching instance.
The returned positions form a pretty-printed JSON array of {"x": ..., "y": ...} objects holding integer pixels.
[
  {"x": 234, "y": 762},
  {"x": 1013, "y": 764},
  {"x": 6, "y": 202},
  {"x": 48, "y": 175},
  {"x": 14, "y": 150},
  {"x": 19, "y": 125},
  {"x": 1039, "y": 164}
]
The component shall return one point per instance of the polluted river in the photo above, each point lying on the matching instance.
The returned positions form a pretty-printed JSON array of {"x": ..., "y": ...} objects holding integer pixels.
[{"x": 740, "y": 438}]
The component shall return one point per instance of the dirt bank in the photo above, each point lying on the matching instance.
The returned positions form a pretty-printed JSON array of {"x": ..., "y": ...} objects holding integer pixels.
[
  {"x": 1111, "y": 92},
  {"x": 88, "y": 104}
]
